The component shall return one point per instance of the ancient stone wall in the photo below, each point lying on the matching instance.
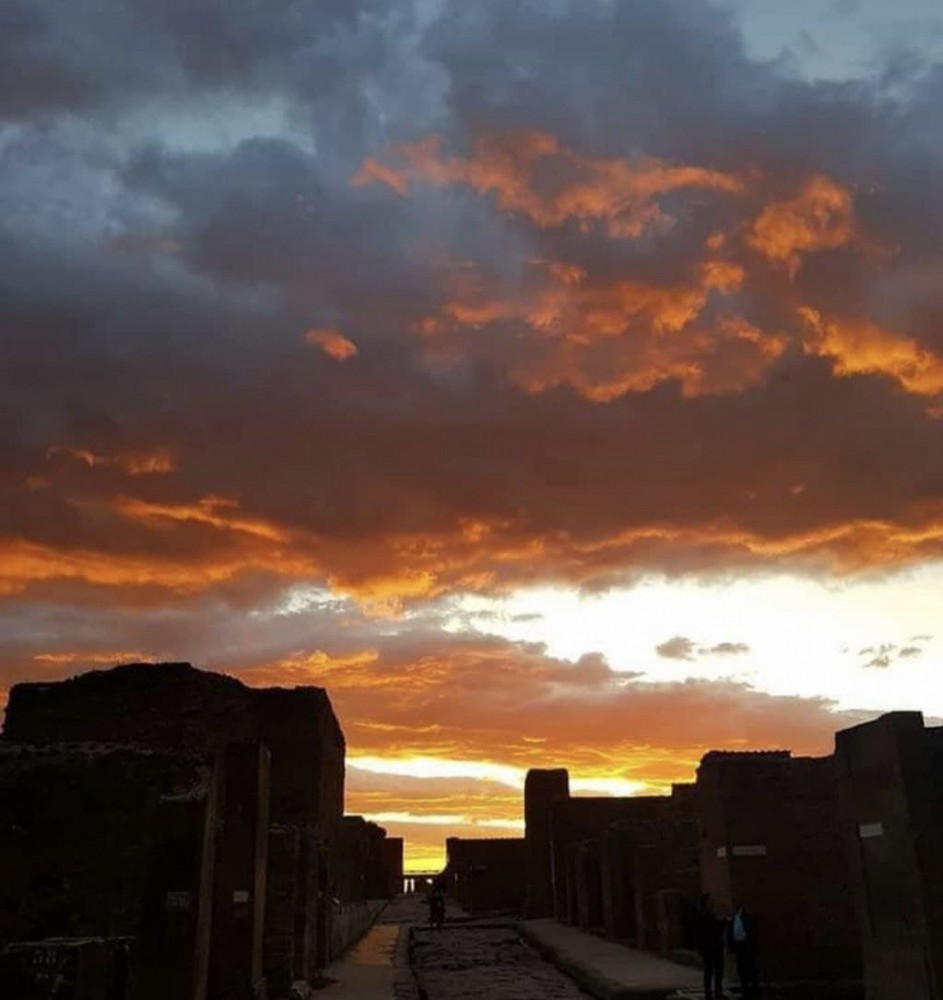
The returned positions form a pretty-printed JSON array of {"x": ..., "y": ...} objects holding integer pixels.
[
  {"x": 576, "y": 820},
  {"x": 542, "y": 788},
  {"x": 393, "y": 854},
  {"x": 77, "y": 828},
  {"x": 360, "y": 861},
  {"x": 771, "y": 840},
  {"x": 276, "y": 831},
  {"x": 890, "y": 775},
  {"x": 174, "y": 706},
  {"x": 487, "y": 875}
]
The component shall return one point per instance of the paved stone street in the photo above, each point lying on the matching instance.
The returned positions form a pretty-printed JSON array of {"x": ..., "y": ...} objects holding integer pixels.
[
  {"x": 401, "y": 958},
  {"x": 485, "y": 963}
]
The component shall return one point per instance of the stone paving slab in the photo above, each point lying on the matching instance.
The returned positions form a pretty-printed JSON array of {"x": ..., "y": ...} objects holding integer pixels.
[
  {"x": 606, "y": 970},
  {"x": 486, "y": 961}
]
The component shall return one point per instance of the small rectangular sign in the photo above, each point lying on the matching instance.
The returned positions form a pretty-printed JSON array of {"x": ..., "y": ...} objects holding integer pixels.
[
  {"x": 868, "y": 830},
  {"x": 750, "y": 851},
  {"x": 240, "y": 896},
  {"x": 177, "y": 901},
  {"x": 721, "y": 852}
]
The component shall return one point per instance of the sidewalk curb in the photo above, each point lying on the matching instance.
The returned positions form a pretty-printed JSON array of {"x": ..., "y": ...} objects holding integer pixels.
[
  {"x": 587, "y": 978},
  {"x": 405, "y": 984}
]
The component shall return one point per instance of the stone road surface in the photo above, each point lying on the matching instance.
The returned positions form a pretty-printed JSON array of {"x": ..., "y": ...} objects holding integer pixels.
[
  {"x": 484, "y": 963},
  {"x": 401, "y": 958}
]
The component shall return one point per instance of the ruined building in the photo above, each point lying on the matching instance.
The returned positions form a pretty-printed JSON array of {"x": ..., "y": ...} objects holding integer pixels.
[
  {"x": 890, "y": 779},
  {"x": 196, "y": 818},
  {"x": 771, "y": 840},
  {"x": 486, "y": 875},
  {"x": 761, "y": 830},
  {"x": 624, "y": 866}
]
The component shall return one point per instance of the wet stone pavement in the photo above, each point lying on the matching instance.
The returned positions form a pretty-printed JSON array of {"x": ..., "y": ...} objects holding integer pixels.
[{"x": 484, "y": 962}]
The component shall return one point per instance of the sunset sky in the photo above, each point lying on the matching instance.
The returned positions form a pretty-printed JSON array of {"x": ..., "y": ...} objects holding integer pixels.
[{"x": 557, "y": 383}]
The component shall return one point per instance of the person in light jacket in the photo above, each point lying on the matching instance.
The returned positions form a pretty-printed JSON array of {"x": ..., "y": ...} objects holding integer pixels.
[{"x": 742, "y": 938}]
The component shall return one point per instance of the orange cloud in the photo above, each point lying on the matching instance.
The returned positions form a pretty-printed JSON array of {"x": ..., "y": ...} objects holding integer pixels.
[
  {"x": 134, "y": 463},
  {"x": 534, "y": 175},
  {"x": 820, "y": 217},
  {"x": 86, "y": 659},
  {"x": 864, "y": 348},
  {"x": 25, "y": 564},
  {"x": 213, "y": 511},
  {"x": 609, "y": 338},
  {"x": 332, "y": 342}
]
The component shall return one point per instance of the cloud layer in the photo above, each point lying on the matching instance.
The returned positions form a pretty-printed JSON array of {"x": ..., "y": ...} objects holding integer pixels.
[{"x": 404, "y": 301}]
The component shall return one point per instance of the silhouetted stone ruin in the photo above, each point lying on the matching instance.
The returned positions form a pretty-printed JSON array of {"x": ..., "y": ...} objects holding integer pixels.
[
  {"x": 890, "y": 780},
  {"x": 839, "y": 858},
  {"x": 485, "y": 876},
  {"x": 182, "y": 829},
  {"x": 167, "y": 832}
]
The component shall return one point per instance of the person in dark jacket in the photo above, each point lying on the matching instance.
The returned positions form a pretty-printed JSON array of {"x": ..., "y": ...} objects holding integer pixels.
[
  {"x": 742, "y": 937},
  {"x": 710, "y": 933},
  {"x": 436, "y": 901}
]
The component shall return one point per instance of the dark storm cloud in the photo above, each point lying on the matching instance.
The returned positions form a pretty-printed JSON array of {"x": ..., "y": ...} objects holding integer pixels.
[
  {"x": 85, "y": 56},
  {"x": 161, "y": 271}
]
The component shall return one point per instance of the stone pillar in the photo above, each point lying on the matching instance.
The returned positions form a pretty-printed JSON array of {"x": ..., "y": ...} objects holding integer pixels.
[
  {"x": 567, "y": 912},
  {"x": 281, "y": 904},
  {"x": 240, "y": 875},
  {"x": 649, "y": 877},
  {"x": 176, "y": 920},
  {"x": 616, "y": 866},
  {"x": 588, "y": 886},
  {"x": 672, "y": 908},
  {"x": 542, "y": 788}
]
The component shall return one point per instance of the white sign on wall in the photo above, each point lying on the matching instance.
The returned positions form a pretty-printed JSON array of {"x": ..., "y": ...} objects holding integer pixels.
[
  {"x": 750, "y": 851},
  {"x": 868, "y": 830}
]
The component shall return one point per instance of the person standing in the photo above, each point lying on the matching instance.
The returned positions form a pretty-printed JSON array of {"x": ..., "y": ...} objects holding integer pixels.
[
  {"x": 710, "y": 935},
  {"x": 743, "y": 946}
]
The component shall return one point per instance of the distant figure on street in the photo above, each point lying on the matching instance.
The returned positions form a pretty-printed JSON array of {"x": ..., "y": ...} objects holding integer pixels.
[
  {"x": 710, "y": 932},
  {"x": 436, "y": 901},
  {"x": 743, "y": 945}
]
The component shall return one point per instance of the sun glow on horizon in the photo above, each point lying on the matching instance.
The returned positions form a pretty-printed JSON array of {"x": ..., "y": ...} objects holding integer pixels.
[{"x": 780, "y": 633}]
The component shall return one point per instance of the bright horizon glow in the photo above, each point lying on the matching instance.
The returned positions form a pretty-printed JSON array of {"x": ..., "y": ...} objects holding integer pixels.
[
  {"x": 512, "y": 777},
  {"x": 443, "y": 819},
  {"x": 805, "y": 637}
]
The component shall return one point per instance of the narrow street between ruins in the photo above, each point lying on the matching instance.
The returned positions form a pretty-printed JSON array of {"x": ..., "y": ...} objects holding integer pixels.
[
  {"x": 402, "y": 958},
  {"x": 484, "y": 960},
  {"x": 466, "y": 960}
]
